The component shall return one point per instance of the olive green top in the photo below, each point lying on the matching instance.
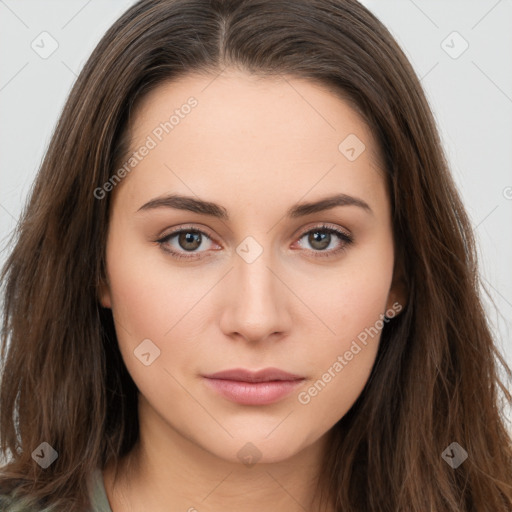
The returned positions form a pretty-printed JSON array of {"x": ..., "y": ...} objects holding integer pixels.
[{"x": 99, "y": 498}]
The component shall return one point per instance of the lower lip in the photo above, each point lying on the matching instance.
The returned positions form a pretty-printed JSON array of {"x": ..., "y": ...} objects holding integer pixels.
[{"x": 253, "y": 393}]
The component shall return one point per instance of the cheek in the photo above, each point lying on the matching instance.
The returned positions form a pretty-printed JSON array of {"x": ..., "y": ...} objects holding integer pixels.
[
  {"x": 144, "y": 305},
  {"x": 354, "y": 296},
  {"x": 354, "y": 313},
  {"x": 148, "y": 297},
  {"x": 153, "y": 301},
  {"x": 138, "y": 304},
  {"x": 352, "y": 306}
]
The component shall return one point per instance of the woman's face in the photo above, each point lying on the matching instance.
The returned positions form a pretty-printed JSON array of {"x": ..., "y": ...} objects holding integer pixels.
[{"x": 264, "y": 274}]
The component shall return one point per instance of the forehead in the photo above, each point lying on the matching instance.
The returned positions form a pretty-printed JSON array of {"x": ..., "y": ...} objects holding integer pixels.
[{"x": 253, "y": 133}]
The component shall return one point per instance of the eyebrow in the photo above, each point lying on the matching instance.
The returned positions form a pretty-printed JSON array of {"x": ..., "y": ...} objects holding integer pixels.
[{"x": 200, "y": 206}]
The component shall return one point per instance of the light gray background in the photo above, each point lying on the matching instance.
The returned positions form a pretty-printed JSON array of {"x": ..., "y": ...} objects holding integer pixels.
[{"x": 471, "y": 96}]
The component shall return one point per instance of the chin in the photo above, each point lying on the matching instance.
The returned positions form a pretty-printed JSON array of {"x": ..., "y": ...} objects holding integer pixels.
[{"x": 250, "y": 447}]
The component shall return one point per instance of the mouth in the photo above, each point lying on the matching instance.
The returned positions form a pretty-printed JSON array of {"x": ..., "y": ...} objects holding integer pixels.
[{"x": 249, "y": 387}]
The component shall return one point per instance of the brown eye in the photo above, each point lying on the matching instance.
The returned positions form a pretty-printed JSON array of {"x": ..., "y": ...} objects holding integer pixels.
[
  {"x": 319, "y": 240},
  {"x": 189, "y": 240},
  {"x": 321, "y": 237},
  {"x": 185, "y": 240}
]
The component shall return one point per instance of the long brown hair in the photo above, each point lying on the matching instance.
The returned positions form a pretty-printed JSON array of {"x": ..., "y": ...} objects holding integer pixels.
[{"x": 435, "y": 380}]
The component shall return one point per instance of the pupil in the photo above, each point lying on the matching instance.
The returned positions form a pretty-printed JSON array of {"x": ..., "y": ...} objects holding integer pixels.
[
  {"x": 189, "y": 238},
  {"x": 321, "y": 238}
]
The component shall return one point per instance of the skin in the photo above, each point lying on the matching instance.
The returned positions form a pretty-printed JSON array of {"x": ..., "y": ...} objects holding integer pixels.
[{"x": 256, "y": 146}]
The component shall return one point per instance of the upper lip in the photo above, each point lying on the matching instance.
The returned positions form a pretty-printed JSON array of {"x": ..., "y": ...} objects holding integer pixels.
[{"x": 243, "y": 375}]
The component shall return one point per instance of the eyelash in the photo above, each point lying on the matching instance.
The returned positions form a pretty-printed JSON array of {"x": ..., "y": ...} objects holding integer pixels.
[{"x": 344, "y": 237}]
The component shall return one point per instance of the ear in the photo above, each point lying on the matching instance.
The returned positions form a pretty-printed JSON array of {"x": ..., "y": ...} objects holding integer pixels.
[
  {"x": 104, "y": 297},
  {"x": 399, "y": 290}
]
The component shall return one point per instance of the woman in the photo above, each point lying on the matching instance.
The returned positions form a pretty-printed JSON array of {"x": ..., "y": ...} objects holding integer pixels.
[{"x": 245, "y": 280}]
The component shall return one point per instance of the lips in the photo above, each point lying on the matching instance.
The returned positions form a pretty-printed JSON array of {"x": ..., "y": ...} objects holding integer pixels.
[
  {"x": 266, "y": 375},
  {"x": 249, "y": 387}
]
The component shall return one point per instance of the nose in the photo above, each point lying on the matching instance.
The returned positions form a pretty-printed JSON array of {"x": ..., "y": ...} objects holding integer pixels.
[{"x": 256, "y": 301}]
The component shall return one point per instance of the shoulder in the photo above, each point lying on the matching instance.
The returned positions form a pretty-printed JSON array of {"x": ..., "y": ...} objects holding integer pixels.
[
  {"x": 10, "y": 503},
  {"x": 98, "y": 495}
]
